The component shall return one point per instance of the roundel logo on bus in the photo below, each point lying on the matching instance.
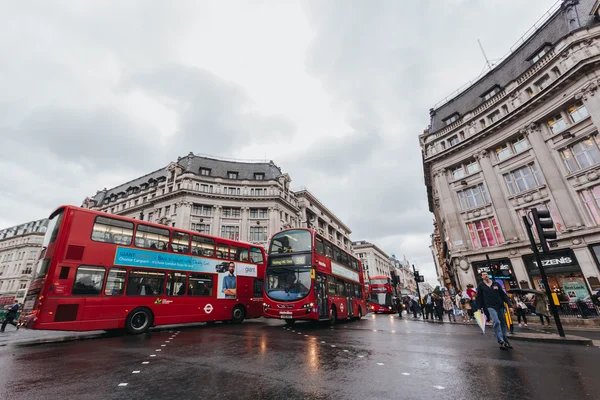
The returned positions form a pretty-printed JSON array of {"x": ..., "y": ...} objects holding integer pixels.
[{"x": 208, "y": 308}]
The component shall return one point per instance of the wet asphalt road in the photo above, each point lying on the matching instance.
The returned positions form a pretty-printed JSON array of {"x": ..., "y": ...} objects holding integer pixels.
[{"x": 379, "y": 357}]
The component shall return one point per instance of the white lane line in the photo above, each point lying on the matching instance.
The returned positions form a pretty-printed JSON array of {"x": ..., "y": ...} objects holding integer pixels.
[
  {"x": 361, "y": 356},
  {"x": 145, "y": 362},
  {"x": 345, "y": 351},
  {"x": 163, "y": 345},
  {"x": 305, "y": 335},
  {"x": 439, "y": 387},
  {"x": 152, "y": 355},
  {"x": 167, "y": 341},
  {"x": 405, "y": 373},
  {"x": 122, "y": 384},
  {"x": 380, "y": 364},
  {"x": 158, "y": 349},
  {"x": 333, "y": 345},
  {"x": 135, "y": 372}
]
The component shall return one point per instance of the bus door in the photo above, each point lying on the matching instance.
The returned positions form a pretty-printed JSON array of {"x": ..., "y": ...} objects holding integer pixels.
[
  {"x": 349, "y": 295},
  {"x": 321, "y": 296}
]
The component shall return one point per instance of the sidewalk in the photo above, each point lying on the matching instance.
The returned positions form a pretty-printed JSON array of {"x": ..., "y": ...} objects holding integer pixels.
[
  {"x": 534, "y": 336},
  {"x": 26, "y": 337}
]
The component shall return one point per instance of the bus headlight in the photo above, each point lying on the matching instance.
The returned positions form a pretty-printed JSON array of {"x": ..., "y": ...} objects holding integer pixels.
[{"x": 308, "y": 305}]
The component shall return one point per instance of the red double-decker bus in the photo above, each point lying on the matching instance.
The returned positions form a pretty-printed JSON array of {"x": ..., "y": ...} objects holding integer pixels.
[
  {"x": 310, "y": 278},
  {"x": 101, "y": 272},
  {"x": 381, "y": 295}
]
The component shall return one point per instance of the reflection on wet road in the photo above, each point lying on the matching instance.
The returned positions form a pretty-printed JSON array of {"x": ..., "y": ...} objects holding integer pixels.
[{"x": 379, "y": 357}]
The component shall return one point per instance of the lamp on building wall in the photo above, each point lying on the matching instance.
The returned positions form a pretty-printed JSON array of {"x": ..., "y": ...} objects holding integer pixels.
[
  {"x": 568, "y": 135},
  {"x": 257, "y": 222},
  {"x": 463, "y": 182}
]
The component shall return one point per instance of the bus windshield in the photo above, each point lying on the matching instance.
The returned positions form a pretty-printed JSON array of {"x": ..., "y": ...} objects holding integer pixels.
[
  {"x": 288, "y": 284},
  {"x": 291, "y": 242},
  {"x": 383, "y": 299},
  {"x": 378, "y": 281},
  {"x": 49, "y": 237}
]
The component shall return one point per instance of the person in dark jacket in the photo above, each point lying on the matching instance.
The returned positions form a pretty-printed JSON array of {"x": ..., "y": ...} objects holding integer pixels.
[
  {"x": 491, "y": 297},
  {"x": 10, "y": 316}
]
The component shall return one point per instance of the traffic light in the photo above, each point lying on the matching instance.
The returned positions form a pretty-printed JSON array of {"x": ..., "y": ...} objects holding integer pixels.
[{"x": 544, "y": 227}]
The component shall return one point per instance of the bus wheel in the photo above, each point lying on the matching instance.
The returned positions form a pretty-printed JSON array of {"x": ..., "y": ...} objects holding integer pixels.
[
  {"x": 290, "y": 322},
  {"x": 238, "y": 314},
  {"x": 139, "y": 321},
  {"x": 332, "y": 316}
]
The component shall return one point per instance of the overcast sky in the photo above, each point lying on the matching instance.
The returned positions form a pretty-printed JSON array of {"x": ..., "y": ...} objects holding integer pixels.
[{"x": 95, "y": 93}]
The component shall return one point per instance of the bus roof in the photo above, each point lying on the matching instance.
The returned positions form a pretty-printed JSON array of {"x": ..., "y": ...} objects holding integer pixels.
[
  {"x": 138, "y": 221},
  {"x": 379, "y": 277},
  {"x": 313, "y": 232}
]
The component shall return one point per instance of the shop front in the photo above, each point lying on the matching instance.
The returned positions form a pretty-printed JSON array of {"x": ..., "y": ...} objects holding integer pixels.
[
  {"x": 501, "y": 269},
  {"x": 564, "y": 275}
]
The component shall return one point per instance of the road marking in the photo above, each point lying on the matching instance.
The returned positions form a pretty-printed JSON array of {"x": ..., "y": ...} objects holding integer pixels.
[
  {"x": 305, "y": 335},
  {"x": 167, "y": 341},
  {"x": 361, "y": 356},
  {"x": 380, "y": 364},
  {"x": 405, "y": 373},
  {"x": 122, "y": 384},
  {"x": 322, "y": 341},
  {"x": 146, "y": 362},
  {"x": 163, "y": 345},
  {"x": 135, "y": 372},
  {"x": 345, "y": 351},
  {"x": 299, "y": 333},
  {"x": 439, "y": 387},
  {"x": 333, "y": 345},
  {"x": 152, "y": 355},
  {"x": 158, "y": 349}
]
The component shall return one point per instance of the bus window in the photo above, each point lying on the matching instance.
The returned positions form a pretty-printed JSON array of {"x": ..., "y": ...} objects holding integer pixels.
[
  {"x": 88, "y": 280},
  {"x": 115, "y": 283},
  {"x": 238, "y": 253},
  {"x": 150, "y": 237},
  {"x": 175, "y": 284},
  {"x": 256, "y": 256},
  {"x": 341, "y": 289},
  {"x": 357, "y": 291},
  {"x": 222, "y": 251},
  {"x": 145, "y": 283},
  {"x": 181, "y": 242},
  {"x": 291, "y": 241},
  {"x": 331, "y": 287},
  {"x": 203, "y": 246},
  {"x": 201, "y": 285},
  {"x": 345, "y": 259},
  {"x": 354, "y": 264},
  {"x": 337, "y": 254},
  {"x": 112, "y": 230},
  {"x": 319, "y": 246},
  {"x": 328, "y": 250},
  {"x": 258, "y": 287},
  {"x": 350, "y": 290}
]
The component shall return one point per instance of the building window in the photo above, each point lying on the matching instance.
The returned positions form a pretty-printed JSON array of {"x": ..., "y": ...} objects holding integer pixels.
[
  {"x": 491, "y": 93},
  {"x": 578, "y": 112},
  {"x": 199, "y": 209},
  {"x": 465, "y": 169},
  {"x": 205, "y": 171},
  {"x": 495, "y": 116},
  {"x": 451, "y": 119},
  {"x": 557, "y": 124},
  {"x": 591, "y": 198},
  {"x": 259, "y": 177},
  {"x": 582, "y": 154},
  {"x": 231, "y": 232},
  {"x": 476, "y": 196},
  {"x": 516, "y": 146},
  {"x": 167, "y": 211},
  {"x": 231, "y": 212},
  {"x": 484, "y": 233},
  {"x": 202, "y": 228},
  {"x": 206, "y": 188},
  {"x": 523, "y": 179},
  {"x": 258, "y": 192},
  {"x": 231, "y": 191},
  {"x": 258, "y": 213},
  {"x": 543, "y": 82},
  {"x": 453, "y": 140},
  {"x": 537, "y": 56},
  {"x": 232, "y": 175},
  {"x": 258, "y": 234}
]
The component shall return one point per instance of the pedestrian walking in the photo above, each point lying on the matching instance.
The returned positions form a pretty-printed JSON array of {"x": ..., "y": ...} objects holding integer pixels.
[
  {"x": 438, "y": 303},
  {"x": 541, "y": 308},
  {"x": 10, "y": 316},
  {"x": 449, "y": 307},
  {"x": 428, "y": 303},
  {"x": 491, "y": 297},
  {"x": 520, "y": 309},
  {"x": 398, "y": 306}
]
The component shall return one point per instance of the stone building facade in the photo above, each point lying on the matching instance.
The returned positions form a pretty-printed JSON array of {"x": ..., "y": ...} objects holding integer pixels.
[
  {"x": 406, "y": 278},
  {"x": 19, "y": 249},
  {"x": 236, "y": 199},
  {"x": 524, "y": 135},
  {"x": 375, "y": 261}
]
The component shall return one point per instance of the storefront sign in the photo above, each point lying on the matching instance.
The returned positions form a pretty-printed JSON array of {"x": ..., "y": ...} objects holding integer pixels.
[
  {"x": 575, "y": 289},
  {"x": 555, "y": 262},
  {"x": 500, "y": 268}
]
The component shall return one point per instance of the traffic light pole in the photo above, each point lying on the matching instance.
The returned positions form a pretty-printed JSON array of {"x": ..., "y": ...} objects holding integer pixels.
[
  {"x": 417, "y": 280},
  {"x": 538, "y": 259}
]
